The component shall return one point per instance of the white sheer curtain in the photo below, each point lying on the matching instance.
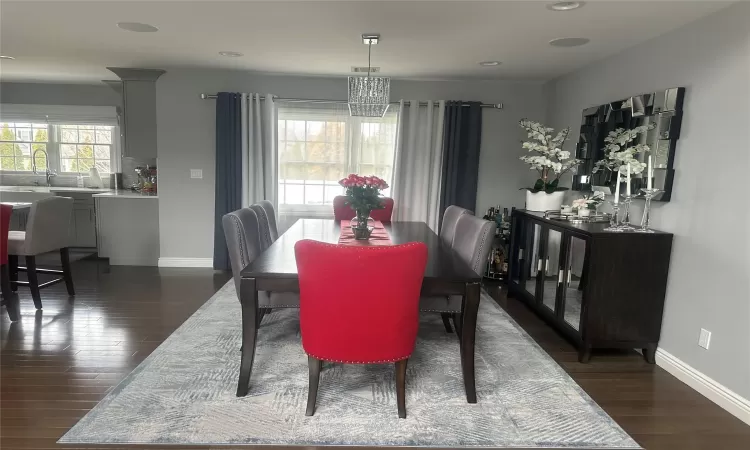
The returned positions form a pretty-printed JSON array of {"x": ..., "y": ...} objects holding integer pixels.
[
  {"x": 418, "y": 159},
  {"x": 259, "y": 158}
]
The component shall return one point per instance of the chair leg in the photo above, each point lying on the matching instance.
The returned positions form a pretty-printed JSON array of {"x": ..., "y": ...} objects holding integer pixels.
[
  {"x": 10, "y": 297},
  {"x": 315, "y": 365},
  {"x": 457, "y": 322},
  {"x": 67, "y": 275},
  {"x": 13, "y": 268},
  {"x": 401, "y": 387},
  {"x": 447, "y": 322},
  {"x": 33, "y": 281}
]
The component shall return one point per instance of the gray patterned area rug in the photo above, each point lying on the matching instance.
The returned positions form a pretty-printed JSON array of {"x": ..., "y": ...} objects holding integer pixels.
[{"x": 184, "y": 393}]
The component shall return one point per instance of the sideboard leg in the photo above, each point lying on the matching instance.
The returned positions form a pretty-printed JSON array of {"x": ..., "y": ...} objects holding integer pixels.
[{"x": 649, "y": 353}]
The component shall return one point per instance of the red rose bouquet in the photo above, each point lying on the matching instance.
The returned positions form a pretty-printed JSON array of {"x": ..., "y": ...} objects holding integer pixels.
[{"x": 363, "y": 195}]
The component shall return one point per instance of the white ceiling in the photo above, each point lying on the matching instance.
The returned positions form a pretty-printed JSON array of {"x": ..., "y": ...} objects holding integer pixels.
[{"x": 65, "y": 41}]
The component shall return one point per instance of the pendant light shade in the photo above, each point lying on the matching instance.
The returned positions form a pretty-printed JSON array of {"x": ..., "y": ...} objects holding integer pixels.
[{"x": 369, "y": 96}]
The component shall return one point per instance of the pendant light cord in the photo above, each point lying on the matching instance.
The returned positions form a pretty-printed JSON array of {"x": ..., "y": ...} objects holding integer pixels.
[{"x": 369, "y": 57}]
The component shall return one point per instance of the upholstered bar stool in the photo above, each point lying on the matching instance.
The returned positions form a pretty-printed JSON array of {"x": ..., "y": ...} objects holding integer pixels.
[{"x": 48, "y": 229}]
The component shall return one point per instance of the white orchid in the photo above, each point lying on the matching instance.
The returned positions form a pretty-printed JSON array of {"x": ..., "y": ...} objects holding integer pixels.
[
  {"x": 549, "y": 156},
  {"x": 617, "y": 154}
]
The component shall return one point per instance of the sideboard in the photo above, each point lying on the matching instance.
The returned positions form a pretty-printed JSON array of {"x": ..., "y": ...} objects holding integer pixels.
[{"x": 598, "y": 288}]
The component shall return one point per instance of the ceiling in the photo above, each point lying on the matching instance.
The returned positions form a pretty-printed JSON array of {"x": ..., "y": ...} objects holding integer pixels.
[{"x": 64, "y": 41}]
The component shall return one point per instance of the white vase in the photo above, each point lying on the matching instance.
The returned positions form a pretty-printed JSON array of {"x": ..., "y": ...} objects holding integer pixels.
[
  {"x": 542, "y": 201},
  {"x": 584, "y": 212}
]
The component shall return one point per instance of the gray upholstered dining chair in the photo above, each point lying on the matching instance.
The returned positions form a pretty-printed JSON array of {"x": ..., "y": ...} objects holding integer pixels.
[
  {"x": 264, "y": 224},
  {"x": 271, "y": 216},
  {"x": 450, "y": 219},
  {"x": 243, "y": 230},
  {"x": 472, "y": 241},
  {"x": 47, "y": 230}
]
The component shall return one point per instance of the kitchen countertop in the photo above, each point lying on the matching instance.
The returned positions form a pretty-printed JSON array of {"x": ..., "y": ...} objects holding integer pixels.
[
  {"x": 126, "y": 194},
  {"x": 53, "y": 189}
]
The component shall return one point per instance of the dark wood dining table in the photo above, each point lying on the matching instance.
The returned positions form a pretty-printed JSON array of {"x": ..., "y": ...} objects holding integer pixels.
[{"x": 276, "y": 270}]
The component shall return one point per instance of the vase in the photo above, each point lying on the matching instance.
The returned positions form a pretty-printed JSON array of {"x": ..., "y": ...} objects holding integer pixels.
[
  {"x": 542, "y": 201},
  {"x": 360, "y": 225},
  {"x": 584, "y": 212}
]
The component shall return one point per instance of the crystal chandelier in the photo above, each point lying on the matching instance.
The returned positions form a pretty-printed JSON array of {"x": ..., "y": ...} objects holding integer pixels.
[{"x": 369, "y": 96}]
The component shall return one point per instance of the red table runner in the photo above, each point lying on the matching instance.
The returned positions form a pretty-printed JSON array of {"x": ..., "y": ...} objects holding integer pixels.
[{"x": 379, "y": 235}]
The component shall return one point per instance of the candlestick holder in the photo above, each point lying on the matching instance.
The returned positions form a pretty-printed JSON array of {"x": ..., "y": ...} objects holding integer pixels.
[
  {"x": 646, "y": 219},
  {"x": 625, "y": 224},
  {"x": 614, "y": 223}
]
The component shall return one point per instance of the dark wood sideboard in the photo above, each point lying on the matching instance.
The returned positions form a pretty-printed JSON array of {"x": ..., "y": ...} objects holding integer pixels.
[{"x": 599, "y": 289}]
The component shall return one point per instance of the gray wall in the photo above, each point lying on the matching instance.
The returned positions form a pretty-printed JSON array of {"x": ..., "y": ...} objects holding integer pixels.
[
  {"x": 59, "y": 94},
  {"x": 708, "y": 282},
  {"x": 186, "y": 140}
]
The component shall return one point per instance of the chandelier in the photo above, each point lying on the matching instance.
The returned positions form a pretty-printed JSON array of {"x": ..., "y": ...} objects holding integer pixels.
[{"x": 369, "y": 96}]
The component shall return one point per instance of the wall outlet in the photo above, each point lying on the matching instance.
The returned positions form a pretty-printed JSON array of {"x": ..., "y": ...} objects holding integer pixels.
[
  {"x": 704, "y": 340},
  {"x": 196, "y": 173}
]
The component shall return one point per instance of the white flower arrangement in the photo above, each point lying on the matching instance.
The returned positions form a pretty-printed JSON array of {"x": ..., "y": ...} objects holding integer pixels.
[
  {"x": 550, "y": 158},
  {"x": 589, "y": 201},
  {"x": 617, "y": 154}
]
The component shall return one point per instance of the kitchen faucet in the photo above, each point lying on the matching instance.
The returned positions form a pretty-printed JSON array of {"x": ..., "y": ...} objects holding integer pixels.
[{"x": 48, "y": 173}]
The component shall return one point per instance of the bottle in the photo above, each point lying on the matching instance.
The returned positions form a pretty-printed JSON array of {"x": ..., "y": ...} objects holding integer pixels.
[{"x": 79, "y": 180}]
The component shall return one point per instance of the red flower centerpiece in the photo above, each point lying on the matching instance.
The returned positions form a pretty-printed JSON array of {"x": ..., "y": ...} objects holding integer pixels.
[{"x": 363, "y": 195}]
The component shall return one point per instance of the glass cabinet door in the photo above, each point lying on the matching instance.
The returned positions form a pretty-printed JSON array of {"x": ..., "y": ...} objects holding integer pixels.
[
  {"x": 575, "y": 280},
  {"x": 531, "y": 265},
  {"x": 550, "y": 267},
  {"x": 518, "y": 237}
]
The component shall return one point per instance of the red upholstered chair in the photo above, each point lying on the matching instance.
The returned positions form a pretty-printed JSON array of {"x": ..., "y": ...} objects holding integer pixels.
[
  {"x": 10, "y": 299},
  {"x": 342, "y": 211},
  {"x": 359, "y": 305}
]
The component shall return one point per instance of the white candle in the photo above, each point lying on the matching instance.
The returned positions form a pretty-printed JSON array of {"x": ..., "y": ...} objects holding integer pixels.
[
  {"x": 627, "y": 186},
  {"x": 650, "y": 174},
  {"x": 617, "y": 188}
]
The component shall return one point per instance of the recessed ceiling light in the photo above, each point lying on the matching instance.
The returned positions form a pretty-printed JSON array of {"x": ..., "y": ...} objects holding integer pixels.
[
  {"x": 231, "y": 54},
  {"x": 6, "y": 57},
  {"x": 569, "y": 42},
  {"x": 137, "y": 27},
  {"x": 489, "y": 63},
  {"x": 565, "y": 6}
]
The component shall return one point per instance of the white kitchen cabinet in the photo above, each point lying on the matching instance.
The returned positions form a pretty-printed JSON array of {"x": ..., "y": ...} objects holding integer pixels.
[{"x": 83, "y": 228}]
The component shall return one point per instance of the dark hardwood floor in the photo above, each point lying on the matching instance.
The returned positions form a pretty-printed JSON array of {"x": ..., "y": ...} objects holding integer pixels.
[{"x": 56, "y": 364}]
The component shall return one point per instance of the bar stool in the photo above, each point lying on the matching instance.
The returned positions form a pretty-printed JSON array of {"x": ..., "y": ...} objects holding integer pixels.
[{"x": 47, "y": 229}]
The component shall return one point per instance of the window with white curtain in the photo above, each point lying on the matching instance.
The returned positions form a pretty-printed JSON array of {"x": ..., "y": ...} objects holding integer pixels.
[{"x": 320, "y": 144}]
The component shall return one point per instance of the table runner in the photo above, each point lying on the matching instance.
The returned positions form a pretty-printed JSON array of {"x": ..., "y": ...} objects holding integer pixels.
[{"x": 379, "y": 235}]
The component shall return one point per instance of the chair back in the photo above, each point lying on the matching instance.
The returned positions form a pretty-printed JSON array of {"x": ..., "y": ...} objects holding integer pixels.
[
  {"x": 271, "y": 215},
  {"x": 242, "y": 233},
  {"x": 342, "y": 211},
  {"x": 265, "y": 227},
  {"x": 5, "y": 213},
  {"x": 450, "y": 219},
  {"x": 359, "y": 304},
  {"x": 48, "y": 227},
  {"x": 473, "y": 241}
]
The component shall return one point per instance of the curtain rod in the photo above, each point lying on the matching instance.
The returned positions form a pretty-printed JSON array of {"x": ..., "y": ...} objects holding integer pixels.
[{"x": 343, "y": 102}]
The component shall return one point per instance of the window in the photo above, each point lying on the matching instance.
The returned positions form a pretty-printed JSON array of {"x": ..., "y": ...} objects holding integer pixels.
[
  {"x": 71, "y": 149},
  {"x": 320, "y": 145},
  {"x": 85, "y": 146},
  {"x": 18, "y": 141}
]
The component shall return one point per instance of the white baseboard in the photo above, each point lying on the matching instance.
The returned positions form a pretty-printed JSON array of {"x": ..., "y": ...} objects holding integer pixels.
[
  {"x": 186, "y": 262},
  {"x": 709, "y": 388}
]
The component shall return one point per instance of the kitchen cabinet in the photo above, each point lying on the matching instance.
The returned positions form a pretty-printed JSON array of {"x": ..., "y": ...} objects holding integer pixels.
[
  {"x": 597, "y": 288},
  {"x": 128, "y": 229},
  {"x": 83, "y": 222}
]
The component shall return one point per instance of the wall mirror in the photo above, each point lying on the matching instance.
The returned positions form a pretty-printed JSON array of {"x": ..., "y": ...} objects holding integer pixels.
[{"x": 661, "y": 110}]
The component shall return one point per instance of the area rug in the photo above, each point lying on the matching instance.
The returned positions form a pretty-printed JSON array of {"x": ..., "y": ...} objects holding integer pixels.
[{"x": 184, "y": 393}]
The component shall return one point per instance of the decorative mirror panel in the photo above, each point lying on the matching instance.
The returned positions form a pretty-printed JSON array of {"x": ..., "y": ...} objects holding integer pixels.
[{"x": 661, "y": 110}]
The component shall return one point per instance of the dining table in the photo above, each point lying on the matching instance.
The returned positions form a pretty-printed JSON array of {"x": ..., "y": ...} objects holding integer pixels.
[{"x": 275, "y": 270}]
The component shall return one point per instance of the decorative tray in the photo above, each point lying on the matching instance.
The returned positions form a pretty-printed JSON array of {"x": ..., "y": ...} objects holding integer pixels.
[{"x": 574, "y": 218}]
